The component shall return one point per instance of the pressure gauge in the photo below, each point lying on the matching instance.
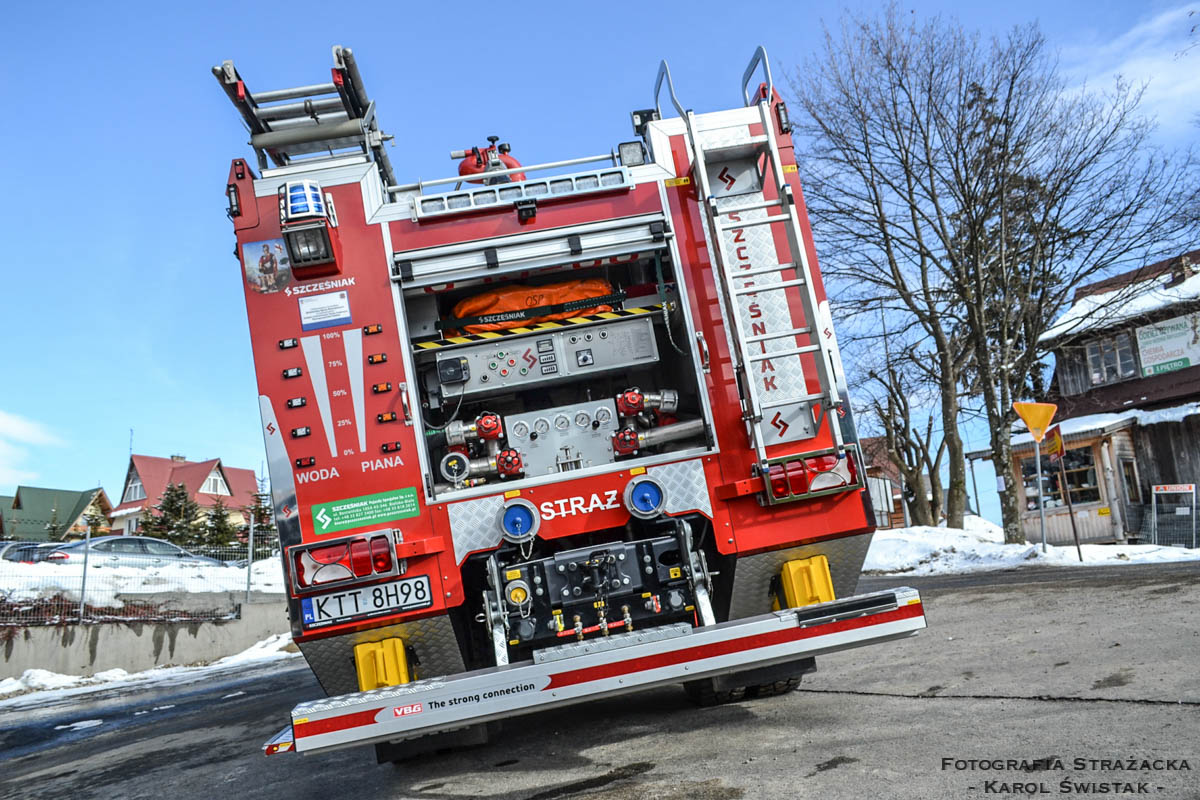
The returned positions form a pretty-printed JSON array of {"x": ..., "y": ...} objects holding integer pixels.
[
  {"x": 583, "y": 419},
  {"x": 519, "y": 430},
  {"x": 541, "y": 425},
  {"x": 603, "y": 415},
  {"x": 562, "y": 422}
]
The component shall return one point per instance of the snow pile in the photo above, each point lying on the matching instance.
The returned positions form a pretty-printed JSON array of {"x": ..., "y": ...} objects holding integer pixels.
[
  {"x": 985, "y": 530},
  {"x": 269, "y": 649},
  {"x": 28, "y": 582},
  {"x": 40, "y": 680},
  {"x": 980, "y": 547}
]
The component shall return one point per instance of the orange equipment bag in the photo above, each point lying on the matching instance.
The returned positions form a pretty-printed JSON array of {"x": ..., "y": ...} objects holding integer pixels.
[{"x": 515, "y": 306}]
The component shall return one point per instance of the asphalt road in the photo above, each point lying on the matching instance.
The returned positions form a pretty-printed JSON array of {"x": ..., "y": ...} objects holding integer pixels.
[{"x": 1066, "y": 664}]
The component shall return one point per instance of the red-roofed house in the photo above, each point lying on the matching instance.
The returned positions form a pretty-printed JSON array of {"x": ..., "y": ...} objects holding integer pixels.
[{"x": 206, "y": 481}]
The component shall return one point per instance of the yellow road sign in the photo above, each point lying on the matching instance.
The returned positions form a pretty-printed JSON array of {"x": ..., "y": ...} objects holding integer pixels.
[{"x": 1037, "y": 417}]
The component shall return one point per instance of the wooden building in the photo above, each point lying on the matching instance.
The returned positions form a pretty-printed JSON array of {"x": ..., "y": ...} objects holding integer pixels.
[{"x": 1127, "y": 385}]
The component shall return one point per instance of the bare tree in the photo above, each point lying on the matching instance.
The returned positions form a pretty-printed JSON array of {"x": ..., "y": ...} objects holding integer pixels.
[
  {"x": 1058, "y": 187},
  {"x": 902, "y": 400},
  {"x": 895, "y": 383},
  {"x": 966, "y": 181},
  {"x": 876, "y": 196}
]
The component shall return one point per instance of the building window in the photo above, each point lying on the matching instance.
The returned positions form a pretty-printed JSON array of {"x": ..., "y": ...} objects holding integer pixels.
[
  {"x": 1129, "y": 473},
  {"x": 214, "y": 485},
  {"x": 1080, "y": 466},
  {"x": 134, "y": 490},
  {"x": 1111, "y": 360}
]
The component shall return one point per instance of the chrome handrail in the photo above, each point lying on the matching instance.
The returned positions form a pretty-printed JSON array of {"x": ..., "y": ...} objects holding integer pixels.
[
  {"x": 760, "y": 57},
  {"x": 665, "y": 71},
  {"x": 483, "y": 176}
]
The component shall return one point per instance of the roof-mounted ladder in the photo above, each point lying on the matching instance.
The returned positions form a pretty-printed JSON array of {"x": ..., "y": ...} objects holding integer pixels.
[{"x": 298, "y": 123}]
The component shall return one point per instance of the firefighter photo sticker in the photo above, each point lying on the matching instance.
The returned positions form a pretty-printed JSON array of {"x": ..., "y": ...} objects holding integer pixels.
[{"x": 268, "y": 268}]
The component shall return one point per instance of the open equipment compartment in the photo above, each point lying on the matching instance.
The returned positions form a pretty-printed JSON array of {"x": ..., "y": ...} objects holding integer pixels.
[{"x": 579, "y": 365}]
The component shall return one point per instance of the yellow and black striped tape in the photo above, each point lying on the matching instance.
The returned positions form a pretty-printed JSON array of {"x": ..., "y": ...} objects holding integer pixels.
[{"x": 468, "y": 338}]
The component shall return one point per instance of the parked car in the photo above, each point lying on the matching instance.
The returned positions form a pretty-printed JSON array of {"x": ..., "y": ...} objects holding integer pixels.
[
  {"x": 128, "y": 551},
  {"x": 27, "y": 552}
]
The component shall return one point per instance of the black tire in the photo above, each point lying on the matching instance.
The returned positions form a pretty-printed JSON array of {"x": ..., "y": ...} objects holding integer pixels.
[
  {"x": 775, "y": 688},
  {"x": 435, "y": 743},
  {"x": 704, "y": 694}
]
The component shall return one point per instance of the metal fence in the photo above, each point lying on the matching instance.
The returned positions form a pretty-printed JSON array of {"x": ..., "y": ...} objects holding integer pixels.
[
  {"x": 146, "y": 589},
  {"x": 1172, "y": 524}
]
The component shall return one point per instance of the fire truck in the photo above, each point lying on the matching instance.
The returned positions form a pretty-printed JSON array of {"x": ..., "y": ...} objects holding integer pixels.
[{"x": 543, "y": 433}]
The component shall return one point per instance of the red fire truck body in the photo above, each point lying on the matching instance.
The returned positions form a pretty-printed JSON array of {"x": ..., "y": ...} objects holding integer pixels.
[{"x": 492, "y": 499}]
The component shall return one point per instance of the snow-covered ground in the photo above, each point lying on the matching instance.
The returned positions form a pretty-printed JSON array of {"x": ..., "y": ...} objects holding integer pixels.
[
  {"x": 52, "y": 684},
  {"x": 29, "y": 582},
  {"x": 980, "y": 547}
]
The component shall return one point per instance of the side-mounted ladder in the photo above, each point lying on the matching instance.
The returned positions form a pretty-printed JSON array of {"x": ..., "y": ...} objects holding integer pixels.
[
  {"x": 730, "y": 166},
  {"x": 314, "y": 122}
]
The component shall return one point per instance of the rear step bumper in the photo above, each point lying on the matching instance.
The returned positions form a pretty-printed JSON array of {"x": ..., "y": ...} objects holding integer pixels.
[{"x": 612, "y": 665}]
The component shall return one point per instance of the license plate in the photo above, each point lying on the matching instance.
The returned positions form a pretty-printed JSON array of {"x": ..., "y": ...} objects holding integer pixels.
[{"x": 370, "y": 601}]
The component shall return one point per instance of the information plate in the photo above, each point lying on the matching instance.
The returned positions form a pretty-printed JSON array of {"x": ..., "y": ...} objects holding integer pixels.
[{"x": 367, "y": 509}]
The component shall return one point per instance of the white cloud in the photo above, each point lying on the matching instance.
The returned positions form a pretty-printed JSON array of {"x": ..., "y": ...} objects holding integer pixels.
[
  {"x": 19, "y": 429},
  {"x": 16, "y": 435},
  {"x": 1151, "y": 52},
  {"x": 10, "y": 475}
]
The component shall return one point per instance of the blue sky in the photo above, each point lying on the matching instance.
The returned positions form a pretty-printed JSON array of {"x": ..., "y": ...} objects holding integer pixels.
[{"x": 121, "y": 304}]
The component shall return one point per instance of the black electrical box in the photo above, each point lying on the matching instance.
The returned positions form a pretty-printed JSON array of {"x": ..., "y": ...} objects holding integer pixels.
[{"x": 454, "y": 370}]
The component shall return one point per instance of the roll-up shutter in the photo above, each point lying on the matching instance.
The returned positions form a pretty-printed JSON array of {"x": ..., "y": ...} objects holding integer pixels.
[{"x": 527, "y": 251}]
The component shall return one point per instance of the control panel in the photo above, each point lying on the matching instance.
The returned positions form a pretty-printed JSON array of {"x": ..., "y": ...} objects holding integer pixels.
[
  {"x": 568, "y": 437},
  {"x": 508, "y": 364}
]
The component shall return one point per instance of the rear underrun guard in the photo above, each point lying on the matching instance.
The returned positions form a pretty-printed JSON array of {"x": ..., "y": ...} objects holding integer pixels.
[{"x": 581, "y": 671}]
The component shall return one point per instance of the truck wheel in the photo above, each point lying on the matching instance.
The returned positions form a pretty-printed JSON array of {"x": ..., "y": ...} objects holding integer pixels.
[
  {"x": 704, "y": 693},
  {"x": 448, "y": 741},
  {"x": 775, "y": 688}
]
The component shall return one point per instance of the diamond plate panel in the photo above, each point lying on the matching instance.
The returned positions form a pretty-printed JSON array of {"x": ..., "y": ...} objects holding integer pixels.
[
  {"x": 723, "y": 137},
  {"x": 382, "y": 694},
  {"x": 332, "y": 659},
  {"x": 685, "y": 485},
  {"x": 752, "y": 575},
  {"x": 766, "y": 311},
  {"x": 473, "y": 525}
]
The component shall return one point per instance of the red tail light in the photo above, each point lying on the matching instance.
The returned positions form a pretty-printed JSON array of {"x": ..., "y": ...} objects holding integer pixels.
[
  {"x": 381, "y": 554},
  {"x": 811, "y": 474},
  {"x": 358, "y": 557},
  {"x": 789, "y": 481},
  {"x": 55, "y": 557}
]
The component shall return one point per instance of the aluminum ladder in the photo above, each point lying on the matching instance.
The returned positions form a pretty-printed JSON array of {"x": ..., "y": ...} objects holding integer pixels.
[
  {"x": 728, "y": 159},
  {"x": 315, "y": 122}
]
